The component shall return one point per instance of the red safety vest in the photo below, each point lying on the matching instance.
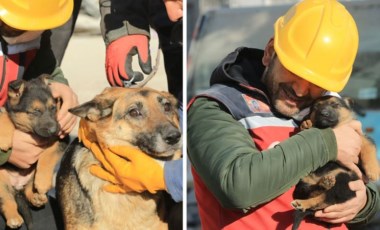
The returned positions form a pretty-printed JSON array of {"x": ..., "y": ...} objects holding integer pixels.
[{"x": 14, "y": 64}]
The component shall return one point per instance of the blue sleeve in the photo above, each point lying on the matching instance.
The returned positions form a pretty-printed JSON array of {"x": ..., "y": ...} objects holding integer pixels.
[{"x": 173, "y": 178}]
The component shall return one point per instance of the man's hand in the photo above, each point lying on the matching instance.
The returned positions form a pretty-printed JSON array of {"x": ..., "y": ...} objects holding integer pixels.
[
  {"x": 349, "y": 142},
  {"x": 26, "y": 149},
  {"x": 119, "y": 59},
  {"x": 342, "y": 213},
  {"x": 66, "y": 120},
  {"x": 174, "y": 9}
]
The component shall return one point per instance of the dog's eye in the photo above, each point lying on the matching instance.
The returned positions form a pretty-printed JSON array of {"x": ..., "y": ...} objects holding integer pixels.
[
  {"x": 167, "y": 107},
  {"x": 35, "y": 112},
  {"x": 53, "y": 108},
  {"x": 335, "y": 105},
  {"x": 134, "y": 113}
]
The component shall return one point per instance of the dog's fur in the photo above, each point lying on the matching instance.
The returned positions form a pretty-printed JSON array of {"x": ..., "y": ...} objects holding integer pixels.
[
  {"x": 30, "y": 108},
  {"x": 143, "y": 118},
  {"x": 328, "y": 185}
]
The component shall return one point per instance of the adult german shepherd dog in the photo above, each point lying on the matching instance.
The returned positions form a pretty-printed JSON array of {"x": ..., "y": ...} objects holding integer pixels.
[
  {"x": 328, "y": 185},
  {"x": 30, "y": 108},
  {"x": 140, "y": 117}
]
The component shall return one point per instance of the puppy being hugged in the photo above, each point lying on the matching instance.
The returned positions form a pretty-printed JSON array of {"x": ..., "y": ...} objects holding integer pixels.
[
  {"x": 32, "y": 109},
  {"x": 140, "y": 121},
  {"x": 328, "y": 185}
]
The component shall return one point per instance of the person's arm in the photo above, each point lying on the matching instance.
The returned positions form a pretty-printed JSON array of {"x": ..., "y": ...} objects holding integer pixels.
[
  {"x": 173, "y": 178},
  {"x": 125, "y": 29},
  {"x": 123, "y": 17},
  {"x": 247, "y": 177}
]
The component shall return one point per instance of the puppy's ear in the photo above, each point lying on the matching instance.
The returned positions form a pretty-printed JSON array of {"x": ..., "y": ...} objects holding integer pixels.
[
  {"x": 349, "y": 102},
  {"x": 45, "y": 78},
  {"x": 15, "y": 90}
]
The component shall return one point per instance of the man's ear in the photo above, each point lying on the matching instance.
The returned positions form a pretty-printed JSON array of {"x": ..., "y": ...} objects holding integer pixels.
[{"x": 268, "y": 52}]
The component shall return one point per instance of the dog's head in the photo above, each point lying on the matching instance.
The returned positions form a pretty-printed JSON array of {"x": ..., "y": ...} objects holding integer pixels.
[
  {"x": 32, "y": 107},
  {"x": 141, "y": 117},
  {"x": 329, "y": 111}
]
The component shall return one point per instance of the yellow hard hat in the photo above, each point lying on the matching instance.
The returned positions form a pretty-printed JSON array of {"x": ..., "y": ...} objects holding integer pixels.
[
  {"x": 318, "y": 40},
  {"x": 35, "y": 14}
]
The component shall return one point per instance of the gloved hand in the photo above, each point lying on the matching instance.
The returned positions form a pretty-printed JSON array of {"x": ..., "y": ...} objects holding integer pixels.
[
  {"x": 125, "y": 167},
  {"x": 119, "y": 59}
]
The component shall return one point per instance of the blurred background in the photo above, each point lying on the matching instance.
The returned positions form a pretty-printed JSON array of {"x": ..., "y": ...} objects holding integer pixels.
[{"x": 216, "y": 27}]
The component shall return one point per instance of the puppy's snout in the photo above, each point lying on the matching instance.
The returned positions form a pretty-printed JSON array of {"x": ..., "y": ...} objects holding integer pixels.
[
  {"x": 172, "y": 137},
  {"x": 325, "y": 113}
]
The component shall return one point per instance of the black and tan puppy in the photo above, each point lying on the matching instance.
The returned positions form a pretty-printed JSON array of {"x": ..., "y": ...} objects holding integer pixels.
[
  {"x": 328, "y": 185},
  {"x": 142, "y": 118},
  {"x": 30, "y": 108}
]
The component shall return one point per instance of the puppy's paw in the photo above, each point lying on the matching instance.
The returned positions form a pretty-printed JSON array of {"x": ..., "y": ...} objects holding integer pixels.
[
  {"x": 298, "y": 205},
  {"x": 327, "y": 181},
  {"x": 306, "y": 124},
  {"x": 38, "y": 200},
  {"x": 373, "y": 175},
  {"x": 15, "y": 222}
]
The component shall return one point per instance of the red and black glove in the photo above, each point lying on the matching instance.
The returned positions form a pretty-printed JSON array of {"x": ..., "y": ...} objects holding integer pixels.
[{"x": 119, "y": 55}]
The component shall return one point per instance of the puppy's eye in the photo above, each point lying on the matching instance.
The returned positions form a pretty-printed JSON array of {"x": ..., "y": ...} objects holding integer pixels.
[
  {"x": 53, "y": 108},
  {"x": 335, "y": 105},
  {"x": 35, "y": 112},
  {"x": 167, "y": 107},
  {"x": 134, "y": 113}
]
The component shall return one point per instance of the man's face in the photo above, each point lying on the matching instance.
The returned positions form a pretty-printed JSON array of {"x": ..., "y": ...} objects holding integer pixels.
[
  {"x": 8, "y": 31},
  {"x": 289, "y": 93}
]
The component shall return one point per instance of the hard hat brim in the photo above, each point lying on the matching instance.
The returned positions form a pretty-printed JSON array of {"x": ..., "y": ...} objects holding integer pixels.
[{"x": 35, "y": 21}]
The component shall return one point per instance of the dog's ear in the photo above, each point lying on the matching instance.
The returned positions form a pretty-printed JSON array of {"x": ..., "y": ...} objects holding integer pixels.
[
  {"x": 99, "y": 107},
  {"x": 15, "y": 90},
  {"x": 45, "y": 78},
  {"x": 93, "y": 110}
]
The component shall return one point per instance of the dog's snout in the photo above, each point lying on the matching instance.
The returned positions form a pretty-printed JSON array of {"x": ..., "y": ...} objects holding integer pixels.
[
  {"x": 325, "y": 113},
  {"x": 172, "y": 137}
]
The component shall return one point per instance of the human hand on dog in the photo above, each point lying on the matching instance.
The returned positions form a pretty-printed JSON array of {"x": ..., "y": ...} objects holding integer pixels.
[
  {"x": 119, "y": 58},
  {"x": 174, "y": 9},
  {"x": 349, "y": 142},
  {"x": 342, "y": 213},
  {"x": 65, "y": 119},
  {"x": 26, "y": 149},
  {"x": 128, "y": 169}
]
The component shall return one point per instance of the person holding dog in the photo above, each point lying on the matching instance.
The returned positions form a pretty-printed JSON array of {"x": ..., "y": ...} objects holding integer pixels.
[
  {"x": 244, "y": 143},
  {"x": 33, "y": 38}
]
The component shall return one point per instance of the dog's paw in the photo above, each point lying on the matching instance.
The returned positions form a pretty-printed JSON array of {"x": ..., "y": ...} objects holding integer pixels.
[
  {"x": 298, "y": 205},
  {"x": 327, "y": 181},
  {"x": 15, "y": 222},
  {"x": 38, "y": 200},
  {"x": 373, "y": 175},
  {"x": 306, "y": 124}
]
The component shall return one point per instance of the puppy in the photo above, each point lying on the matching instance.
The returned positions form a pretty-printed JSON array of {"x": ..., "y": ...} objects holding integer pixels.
[
  {"x": 30, "y": 108},
  {"x": 140, "y": 117},
  {"x": 328, "y": 185}
]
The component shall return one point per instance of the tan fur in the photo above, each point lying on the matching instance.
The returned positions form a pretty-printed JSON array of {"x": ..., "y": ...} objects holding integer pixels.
[
  {"x": 6, "y": 130},
  {"x": 108, "y": 126}
]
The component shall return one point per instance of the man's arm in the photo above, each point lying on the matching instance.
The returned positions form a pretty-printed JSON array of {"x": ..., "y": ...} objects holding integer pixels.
[{"x": 238, "y": 174}]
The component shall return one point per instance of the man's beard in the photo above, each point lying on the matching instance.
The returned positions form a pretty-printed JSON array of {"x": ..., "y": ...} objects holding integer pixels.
[{"x": 279, "y": 92}]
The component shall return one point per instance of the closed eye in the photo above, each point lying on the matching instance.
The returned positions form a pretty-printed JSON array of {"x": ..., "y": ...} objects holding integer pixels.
[{"x": 35, "y": 112}]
